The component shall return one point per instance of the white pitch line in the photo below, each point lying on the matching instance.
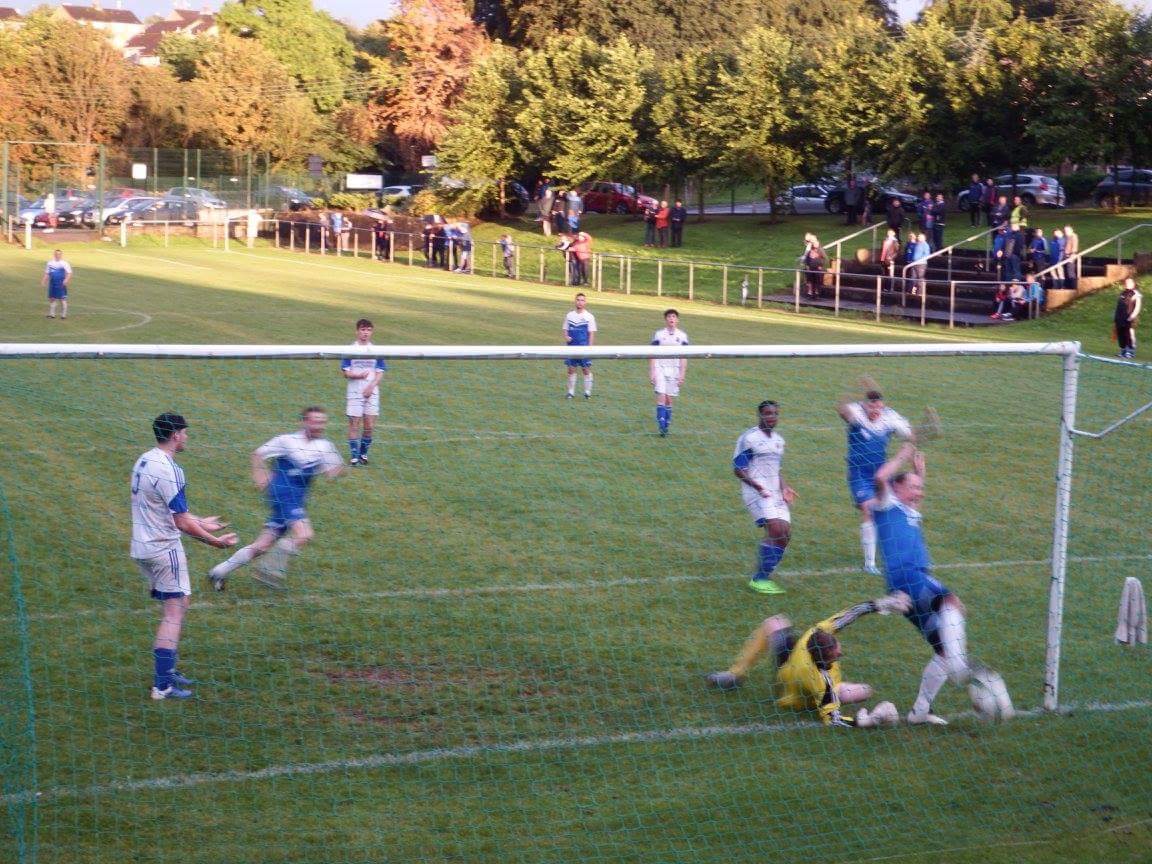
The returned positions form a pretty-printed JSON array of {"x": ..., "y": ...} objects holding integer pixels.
[
  {"x": 78, "y": 309},
  {"x": 441, "y": 754},
  {"x": 541, "y": 587},
  {"x": 154, "y": 258}
]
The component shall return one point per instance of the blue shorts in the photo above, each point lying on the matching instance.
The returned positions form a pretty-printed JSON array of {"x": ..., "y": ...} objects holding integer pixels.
[
  {"x": 57, "y": 292},
  {"x": 861, "y": 488},
  {"x": 927, "y": 594},
  {"x": 583, "y": 364},
  {"x": 284, "y": 514}
]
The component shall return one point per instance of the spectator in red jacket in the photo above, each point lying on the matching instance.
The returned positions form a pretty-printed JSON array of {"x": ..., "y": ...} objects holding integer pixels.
[
  {"x": 663, "y": 219},
  {"x": 581, "y": 252}
]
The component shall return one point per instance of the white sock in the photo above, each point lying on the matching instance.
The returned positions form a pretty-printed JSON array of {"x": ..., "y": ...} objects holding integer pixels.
[
  {"x": 588, "y": 385},
  {"x": 868, "y": 542},
  {"x": 239, "y": 559},
  {"x": 287, "y": 544},
  {"x": 572, "y": 384},
  {"x": 935, "y": 674},
  {"x": 954, "y": 640}
]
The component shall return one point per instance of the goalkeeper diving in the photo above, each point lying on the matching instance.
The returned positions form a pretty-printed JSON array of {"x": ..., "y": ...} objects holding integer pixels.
[{"x": 808, "y": 667}]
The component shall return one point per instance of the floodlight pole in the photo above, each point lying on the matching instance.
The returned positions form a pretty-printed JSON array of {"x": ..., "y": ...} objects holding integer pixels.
[{"x": 1060, "y": 531}]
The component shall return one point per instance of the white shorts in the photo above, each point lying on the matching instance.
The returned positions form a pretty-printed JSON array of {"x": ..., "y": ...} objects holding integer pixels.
[
  {"x": 167, "y": 574},
  {"x": 358, "y": 406},
  {"x": 667, "y": 382},
  {"x": 763, "y": 509}
]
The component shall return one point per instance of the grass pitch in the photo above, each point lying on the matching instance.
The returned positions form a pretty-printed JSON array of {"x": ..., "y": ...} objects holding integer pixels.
[{"x": 495, "y": 648}]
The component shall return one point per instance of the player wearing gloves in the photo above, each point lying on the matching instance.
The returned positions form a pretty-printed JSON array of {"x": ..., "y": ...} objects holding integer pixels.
[{"x": 808, "y": 668}]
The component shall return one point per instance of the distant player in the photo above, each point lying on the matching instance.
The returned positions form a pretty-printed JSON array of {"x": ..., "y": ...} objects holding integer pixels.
[
  {"x": 159, "y": 514},
  {"x": 870, "y": 425},
  {"x": 808, "y": 668},
  {"x": 579, "y": 329},
  {"x": 667, "y": 374},
  {"x": 57, "y": 276},
  {"x": 936, "y": 612},
  {"x": 296, "y": 460},
  {"x": 756, "y": 463},
  {"x": 362, "y": 393}
]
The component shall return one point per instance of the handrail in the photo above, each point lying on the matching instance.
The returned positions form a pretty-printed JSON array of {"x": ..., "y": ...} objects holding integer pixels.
[
  {"x": 946, "y": 249},
  {"x": 1078, "y": 257}
]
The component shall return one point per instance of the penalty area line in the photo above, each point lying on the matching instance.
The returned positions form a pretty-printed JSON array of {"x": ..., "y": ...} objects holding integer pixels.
[{"x": 472, "y": 751}]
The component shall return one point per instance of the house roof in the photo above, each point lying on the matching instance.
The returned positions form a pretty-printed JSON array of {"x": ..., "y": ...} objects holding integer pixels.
[
  {"x": 7, "y": 12},
  {"x": 108, "y": 16}
]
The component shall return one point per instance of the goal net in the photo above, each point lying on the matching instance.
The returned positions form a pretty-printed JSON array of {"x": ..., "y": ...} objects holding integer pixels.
[{"x": 495, "y": 647}]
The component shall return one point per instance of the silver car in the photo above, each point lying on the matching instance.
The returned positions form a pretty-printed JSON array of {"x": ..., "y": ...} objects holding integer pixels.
[
  {"x": 1032, "y": 189},
  {"x": 802, "y": 199}
]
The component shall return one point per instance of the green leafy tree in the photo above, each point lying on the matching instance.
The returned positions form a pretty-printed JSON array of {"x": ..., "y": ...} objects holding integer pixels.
[{"x": 310, "y": 44}]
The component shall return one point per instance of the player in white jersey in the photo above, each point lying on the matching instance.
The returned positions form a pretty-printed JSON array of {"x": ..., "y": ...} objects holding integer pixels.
[
  {"x": 757, "y": 463},
  {"x": 579, "y": 329},
  {"x": 57, "y": 276},
  {"x": 159, "y": 515},
  {"x": 363, "y": 393},
  {"x": 667, "y": 374},
  {"x": 871, "y": 424},
  {"x": 296, "y": 460}
]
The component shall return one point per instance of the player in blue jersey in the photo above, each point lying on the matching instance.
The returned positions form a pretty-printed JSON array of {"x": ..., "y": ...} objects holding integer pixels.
[
  {"x": 362, "y": 394},
  {"x": 57, "y": 276},
  {"x": 159, "y": 516},
  {"x": 667, "y": 373},
  {"x": 936, "y": 612},
  {"x": 870, "y": 426},
  {"x": 296, "y": 460},
  {"x": 579, "y": 329},
  {"x": 757, "y": 465}
]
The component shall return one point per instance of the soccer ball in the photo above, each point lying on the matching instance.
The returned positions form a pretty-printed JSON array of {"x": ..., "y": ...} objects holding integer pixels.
[{"x": 989, "y": 695}]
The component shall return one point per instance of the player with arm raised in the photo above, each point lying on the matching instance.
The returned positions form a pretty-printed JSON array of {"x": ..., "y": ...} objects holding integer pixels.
[
  {"x": 757, "y": 465},
  {"x": 936, "y": 612},
  {"x": 579, "y": 329},
  {"x": 160, "y": 515},
  {"x": 296, "y": 460},
  {"x": 870, "y": 426},
  {"x": 667, "y": 374},
  {"x": 362, "y": 393},
  {"x": 808, "y": 668}
]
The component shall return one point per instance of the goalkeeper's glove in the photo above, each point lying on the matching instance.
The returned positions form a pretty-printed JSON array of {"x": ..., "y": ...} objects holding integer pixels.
[{"x": 897, "y": 601}]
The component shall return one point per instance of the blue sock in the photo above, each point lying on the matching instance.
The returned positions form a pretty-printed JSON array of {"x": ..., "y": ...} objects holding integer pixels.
[
  {"x": 354, "y": 447},
  {"x": 165, "y": 659},
  {"x": 365, "y": 443},
  {"x": 770, "y": 556},
  {"x": 667, "y": 416},
  {"x": 662, "y": 416}
]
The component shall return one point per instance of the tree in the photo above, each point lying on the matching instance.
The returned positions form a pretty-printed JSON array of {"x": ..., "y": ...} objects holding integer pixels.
[
  {"x": 435, "y": 45},
  {"x": 310, "y": 44},
  {"x": 162, "y": 110}
]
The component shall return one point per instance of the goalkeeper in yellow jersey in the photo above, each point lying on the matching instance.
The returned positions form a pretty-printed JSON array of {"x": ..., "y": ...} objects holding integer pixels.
[{"x": 808, "y": 667}]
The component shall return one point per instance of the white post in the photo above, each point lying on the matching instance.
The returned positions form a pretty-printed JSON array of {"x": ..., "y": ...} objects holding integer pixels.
[
  {"x": 124, "y": 232},
  {"x": 227, "y": 231},
  {"x": 28, "y": 234},
  {"x": 1060, "y": 534}
]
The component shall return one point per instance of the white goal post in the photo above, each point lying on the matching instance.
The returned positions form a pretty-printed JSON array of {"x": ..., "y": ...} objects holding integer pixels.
[{"x": 1069, "y": 351}]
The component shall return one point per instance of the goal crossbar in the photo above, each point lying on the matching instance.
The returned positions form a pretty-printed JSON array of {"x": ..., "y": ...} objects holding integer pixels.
[{"x": 17, "y": 350}]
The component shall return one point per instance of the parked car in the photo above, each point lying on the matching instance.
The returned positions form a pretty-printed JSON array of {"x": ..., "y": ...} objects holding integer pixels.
[
  {"x": 1032, "y": 188},
  {"x": 37, "y": 213},
  {"x": 1127, "y": 185},
  {"x": 72, "y": 215},
  {"x": 605, "y": 196},
  {"x": 291, "y": 198},
  {"x": 202, "y": 197},
  {"x": 396, "y": 193},
  {"x": 834, "y": 202},
  {"x": 157, "y": 210},
  {"x": 802, "y": 199},
  {"x": 118, "y": 208}
]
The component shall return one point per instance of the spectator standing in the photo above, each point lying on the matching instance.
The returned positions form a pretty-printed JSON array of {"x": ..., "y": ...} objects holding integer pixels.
[
  {"x": 581, "y": 252},
  {"x": 1128, "y": 306},
  {"x": 382, "y": 239},
  {"x": 1071, "y": 251},
  {"x": 336, "y": 223},
  {"x": 663, "y": 217},
  {"x": 925, "y": 214},
  {"x": 919, "y": 270},
  {"x": 440, "y": 240},
  {"x": 676, "y": 218},
  {"x": 889, "y": 252},
  {"x": 57, "y": 276},
  {"x": 463, "y": 238},
  {"x": 895, "y": 216},
  {"x": 989, "y": 200},
  {"x": 508, "y": 252},
  {"x": 1038, "y": 251},
  {"x": 1019, "y": 216},
  {"x": 559, "y": 217},
  {"x": 813, "y": 260},
  {"x": 975, "y": 200},
  {"x": 852, "y": 201},
  {"x": 649, "y": 214},
  {"x": 544, "y": 198},
  {"x": 573, "y": 209},
  {"x": 1010, "y": 254},
  {"x": 1056, "y": 257},
  {"x": 939, "y": 216}
]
